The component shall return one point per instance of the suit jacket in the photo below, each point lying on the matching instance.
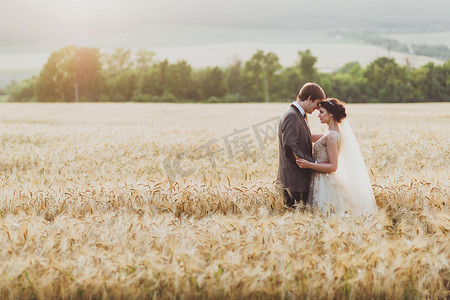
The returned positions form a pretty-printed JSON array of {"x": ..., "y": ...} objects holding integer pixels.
[{"x": 294, "y": 136}]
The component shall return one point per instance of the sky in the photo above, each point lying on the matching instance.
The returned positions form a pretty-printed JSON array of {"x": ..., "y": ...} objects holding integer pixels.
[{"x": 34, "y": 22}]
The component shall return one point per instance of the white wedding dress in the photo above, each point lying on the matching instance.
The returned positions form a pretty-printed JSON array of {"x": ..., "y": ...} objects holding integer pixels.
[{"x": 348, "y": 190}]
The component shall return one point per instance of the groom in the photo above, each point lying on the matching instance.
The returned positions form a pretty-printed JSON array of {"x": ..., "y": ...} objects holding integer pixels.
[{"x": 295, "y": 141}]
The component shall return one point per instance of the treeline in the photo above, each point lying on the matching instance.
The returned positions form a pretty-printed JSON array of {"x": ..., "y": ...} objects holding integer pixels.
[
  {"x": 84, "y": 74},
  {"x": 441, "y": 52}
]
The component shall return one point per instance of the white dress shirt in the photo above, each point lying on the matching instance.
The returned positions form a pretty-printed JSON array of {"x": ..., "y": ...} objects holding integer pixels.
[{"x": 299, "y": 108}]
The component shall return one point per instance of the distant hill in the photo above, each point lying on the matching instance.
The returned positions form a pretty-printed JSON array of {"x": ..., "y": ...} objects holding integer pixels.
[{"x": 401, "y": 15}]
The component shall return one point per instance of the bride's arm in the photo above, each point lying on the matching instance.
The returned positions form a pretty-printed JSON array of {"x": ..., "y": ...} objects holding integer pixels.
[
  {"x": 316, "y": 136},
  {"x": 327, "y": 167}
]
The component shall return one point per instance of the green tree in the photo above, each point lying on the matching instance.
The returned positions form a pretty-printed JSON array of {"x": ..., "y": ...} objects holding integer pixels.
[
  {"x": 234, "y": 80},
  {"x": 291, "y": 79},
  {"x": 211, "y": 83},
  {"x": 87, "y": 74},
  {"x": 144, "y": 60},
  {"x": 122, "y": 86},
  {"x": 287, "y": 84},
  {"x": 12, "y": 84},
  {"x": 438, "y": 51},
  {"x": 69, "y": 74},
  {"x": 120, "y": 79},
  {"x": 153, "y": 82},
  {"x": 23, "y": 91},
  {"x": 344, "y": 87},
  {"x": 386, "y": 81},
  {"x": 260, "y": 70},
  {"x": 56, "y": 78},
  {"x": 418, "y": 78},
  {"x": 431, "y": 82},
  {"x": 446, "y": 79},
  {"x": 180, "y": 81},
  {"x": 352, "y": 68},
  {"x": 308, "y": 73},
  {"x": 117, "y": 61},
  {"x": 347, "y": 83}
]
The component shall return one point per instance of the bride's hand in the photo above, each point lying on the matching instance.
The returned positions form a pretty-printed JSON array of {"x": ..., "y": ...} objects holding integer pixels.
[{"x": 302, "y": 163}]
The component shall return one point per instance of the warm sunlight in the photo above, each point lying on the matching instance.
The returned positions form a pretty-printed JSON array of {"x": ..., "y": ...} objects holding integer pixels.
[{"x": 174, "y": 149}]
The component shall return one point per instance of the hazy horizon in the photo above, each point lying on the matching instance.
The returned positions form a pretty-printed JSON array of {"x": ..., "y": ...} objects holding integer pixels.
[
  {"x": 203, "y": 32},
  {"x": 30, "y": 22}
]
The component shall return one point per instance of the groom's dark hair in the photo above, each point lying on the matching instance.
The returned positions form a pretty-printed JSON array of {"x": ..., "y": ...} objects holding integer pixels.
[{"x": 312, "y": 90}]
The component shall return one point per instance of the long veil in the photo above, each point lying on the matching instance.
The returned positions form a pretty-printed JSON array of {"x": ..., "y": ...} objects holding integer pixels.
[{"x": 352, "y": 174}]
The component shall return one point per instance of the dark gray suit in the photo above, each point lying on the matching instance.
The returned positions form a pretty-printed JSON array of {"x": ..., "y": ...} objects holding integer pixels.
[{"x": 294, "y": 136}]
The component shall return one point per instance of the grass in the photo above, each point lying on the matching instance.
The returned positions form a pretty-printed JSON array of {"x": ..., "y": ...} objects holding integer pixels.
[{"x": 123, "y": 201}]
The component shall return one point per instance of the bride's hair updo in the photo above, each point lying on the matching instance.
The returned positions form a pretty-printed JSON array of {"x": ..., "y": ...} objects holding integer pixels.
[{"x": 334, "y": 107}]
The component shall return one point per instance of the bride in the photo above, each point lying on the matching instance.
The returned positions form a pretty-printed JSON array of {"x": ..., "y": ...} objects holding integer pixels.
[{"x": 339, "y": 182}]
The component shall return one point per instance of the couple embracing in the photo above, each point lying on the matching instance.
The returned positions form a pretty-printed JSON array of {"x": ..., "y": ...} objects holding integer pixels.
[{"x": 330, "y": 174}]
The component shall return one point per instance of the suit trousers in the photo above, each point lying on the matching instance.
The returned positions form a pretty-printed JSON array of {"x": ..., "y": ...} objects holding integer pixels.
[{"x": 292, "y": 198}]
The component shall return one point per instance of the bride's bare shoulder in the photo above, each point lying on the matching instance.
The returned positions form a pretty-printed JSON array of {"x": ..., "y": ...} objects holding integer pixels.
[{"x": 332, "y": 137}]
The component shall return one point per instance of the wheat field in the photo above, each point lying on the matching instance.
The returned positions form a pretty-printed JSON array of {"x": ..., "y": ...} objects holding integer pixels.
[{"x": 177, "y": 201}]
